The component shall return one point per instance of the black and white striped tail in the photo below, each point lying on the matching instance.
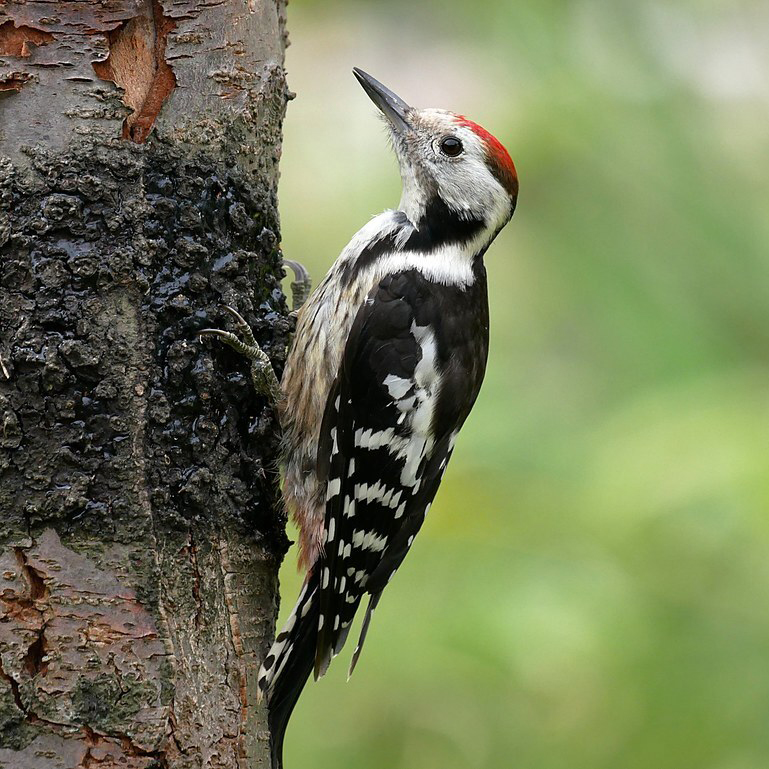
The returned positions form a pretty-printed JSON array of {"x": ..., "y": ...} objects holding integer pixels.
[{"x": 288, "y": 665}]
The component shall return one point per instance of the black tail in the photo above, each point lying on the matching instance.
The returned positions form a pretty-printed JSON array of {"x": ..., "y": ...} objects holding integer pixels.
[{"x": 288, "y": 666}]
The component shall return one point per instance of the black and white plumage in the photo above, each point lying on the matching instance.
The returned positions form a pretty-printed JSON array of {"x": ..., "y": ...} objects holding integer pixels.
[{"x": 387, "y": 361}]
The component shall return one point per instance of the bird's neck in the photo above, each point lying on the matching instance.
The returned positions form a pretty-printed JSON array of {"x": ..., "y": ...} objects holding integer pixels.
[
  {"x": 437, "y": 227},
  {"x": 446, "y": 246}
]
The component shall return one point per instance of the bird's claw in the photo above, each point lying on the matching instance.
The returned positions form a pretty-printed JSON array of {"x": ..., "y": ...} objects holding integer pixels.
[
  {"x": 301, "y": 286},
  {"x": 244, "y": 341},
  {"x": 262, "y": 373}
]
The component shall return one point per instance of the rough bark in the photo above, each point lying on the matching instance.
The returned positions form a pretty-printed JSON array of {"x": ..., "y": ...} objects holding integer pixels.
[{"x": 140, "y": 529}]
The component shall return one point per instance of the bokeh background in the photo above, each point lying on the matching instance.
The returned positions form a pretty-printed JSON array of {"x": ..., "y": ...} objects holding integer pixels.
[{"x": 591, "y": 588}]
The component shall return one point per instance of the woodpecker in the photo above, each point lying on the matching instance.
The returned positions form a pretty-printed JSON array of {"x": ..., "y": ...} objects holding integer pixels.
[{"x": 387, "y": 360}]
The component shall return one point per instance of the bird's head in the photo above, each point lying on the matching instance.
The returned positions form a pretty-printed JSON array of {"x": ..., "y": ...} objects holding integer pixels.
[{"x": 448, "y": 160}]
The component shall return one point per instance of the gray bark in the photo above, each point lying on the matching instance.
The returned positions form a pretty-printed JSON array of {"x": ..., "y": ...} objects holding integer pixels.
[{"x": 140, "y": 521}]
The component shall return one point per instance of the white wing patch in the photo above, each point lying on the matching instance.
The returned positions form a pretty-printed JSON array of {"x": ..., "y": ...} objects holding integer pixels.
[
  {"x": 369, "y": 540},
  {"x": 333, "y": 488},
  {"x": 377, "y": 439},
  {"x": 416, "y": 400},
  {"x": 377, "y": 492},
  {"x": 397, "y": 386}
]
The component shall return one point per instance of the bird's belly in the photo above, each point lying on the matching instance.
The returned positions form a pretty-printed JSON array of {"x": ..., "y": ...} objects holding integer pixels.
[{"x": 312, "y": 365}]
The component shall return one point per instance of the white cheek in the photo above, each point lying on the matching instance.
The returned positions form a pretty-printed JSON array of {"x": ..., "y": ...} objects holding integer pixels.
[{"x": 469, "y": 174}]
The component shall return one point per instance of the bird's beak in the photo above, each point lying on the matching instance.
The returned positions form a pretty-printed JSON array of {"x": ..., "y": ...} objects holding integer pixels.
[{"x": 393, "y": 107}]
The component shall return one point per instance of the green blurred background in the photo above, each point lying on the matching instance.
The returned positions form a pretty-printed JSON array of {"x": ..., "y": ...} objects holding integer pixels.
[{"x": 591, "y": 588}]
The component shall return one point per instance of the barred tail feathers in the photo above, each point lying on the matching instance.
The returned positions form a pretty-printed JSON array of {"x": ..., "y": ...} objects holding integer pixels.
[{"x": 288, "y": 666}]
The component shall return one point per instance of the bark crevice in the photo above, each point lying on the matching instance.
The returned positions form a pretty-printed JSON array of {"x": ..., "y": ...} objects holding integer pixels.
[{"x": 137, "y": 64}]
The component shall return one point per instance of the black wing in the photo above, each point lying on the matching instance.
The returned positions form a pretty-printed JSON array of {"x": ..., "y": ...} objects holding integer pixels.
[{"x": 411, "y": 370}]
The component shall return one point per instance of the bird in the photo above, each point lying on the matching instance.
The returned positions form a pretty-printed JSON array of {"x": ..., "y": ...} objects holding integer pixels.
[{"x": 386, "y": 362}]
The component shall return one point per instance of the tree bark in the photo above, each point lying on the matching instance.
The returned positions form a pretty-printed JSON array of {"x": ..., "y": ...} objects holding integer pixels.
[{"x": 140, "y": 520}]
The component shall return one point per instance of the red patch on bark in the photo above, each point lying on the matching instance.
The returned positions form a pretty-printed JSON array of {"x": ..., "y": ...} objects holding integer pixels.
[
  {"x": 137, "y": 64},
  {"x": 14, "y": 81},
  {"x": 499, "y": 158},
  {"x": 14, "y": 41}
]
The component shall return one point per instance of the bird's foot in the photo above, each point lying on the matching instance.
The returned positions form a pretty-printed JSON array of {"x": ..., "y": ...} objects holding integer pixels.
[
  {"x": 301, "y": 286},
  {"x": 244, "y": 342}
]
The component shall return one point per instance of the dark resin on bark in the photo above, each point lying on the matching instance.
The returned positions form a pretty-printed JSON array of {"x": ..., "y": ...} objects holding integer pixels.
[{"x": 131, "y": 452}]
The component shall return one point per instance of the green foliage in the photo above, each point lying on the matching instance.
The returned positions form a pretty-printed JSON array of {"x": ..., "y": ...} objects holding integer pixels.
[{"x": 590, "y": 588}]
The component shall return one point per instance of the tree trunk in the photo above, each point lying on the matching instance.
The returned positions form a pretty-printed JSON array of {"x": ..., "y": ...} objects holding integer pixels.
[{"x": 140, "y": 522}]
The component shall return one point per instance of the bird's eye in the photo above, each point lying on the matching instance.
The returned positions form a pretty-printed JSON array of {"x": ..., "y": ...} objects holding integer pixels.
[{"x": 451, "y": 146}]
